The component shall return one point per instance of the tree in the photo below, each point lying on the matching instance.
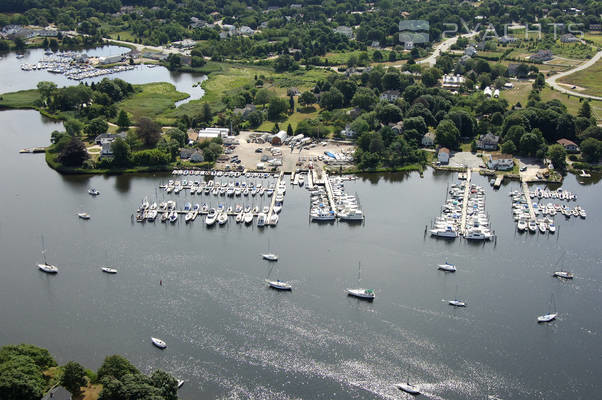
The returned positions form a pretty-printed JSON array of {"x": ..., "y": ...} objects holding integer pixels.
[
  {"x": 388, "y": 113},
  {"x": 364, "y": 98},
  {"x": 447, "y": 134},
  {"x": 591, "y": 150},
  {"x": 508, "y": 147},
  {"x": 166, "y": 383},
  {"x": 431, "y": 76},
  {"x": 291, "y": 104},
  {"x": 585, "y": 110},
  {"x": 557, "y": 155},
  {"x": 276, "y": 108},
  {"x": 289, "y": 130},
  {"x": 21, "y": 379},
  {"x": 540, "y": 81},
  {"x": 122, "y": 152},
  {"x": 285, "y": 63},
  {"x": 529, "y": 143},
  {"x": 148, "y": 131},
  {"x": 332, "y": 99},
  {"x": 123, "y": 120},
  {"x": 263, "y": 97},
  {"x": 46, "y": 90},
  {"x": 178, "y": 135},
  {"x": 377, "y": 145},
  {"x": 207, "y": 113},
  {"x": 73, "y": 127},
  {"x": 96, "y": 127},
  {"x": 74, "y": 154},
  {"x": 116, "y": 366},
  {"x": 307, "y": 98},
  {"x": 212, "y": 152},
  {"x": 74, "y": 377},
  {"x": 416, "y": 123}
]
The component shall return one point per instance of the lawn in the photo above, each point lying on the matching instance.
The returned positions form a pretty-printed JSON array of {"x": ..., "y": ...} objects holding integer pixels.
[
  {"x": 152, "y": 100},
  {"x": 572, "y": 103},
  {"x": 589, "y": 79},
  {"x": 21, "y": 99},
  {"x": 519, "y": 93},
  {"x": 341, "y": 57},
  {"x": 596, "y": 38}
]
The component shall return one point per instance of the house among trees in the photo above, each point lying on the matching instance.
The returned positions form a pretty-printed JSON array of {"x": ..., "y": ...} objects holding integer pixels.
[
  {"x": 345, "y": 31},
  {"x": 443, "y": 155},
  {"x": 500, "y": 161},
  {"x": 348, "y": 132},
  {"x": 245, "y": 111},
  {"x": 397, "y": 127},
  {"x": 185, "y": 154},
  {"x": 57, "y": 393},
  {"x": 428, "y": 140},
  {"x": 452, "y": 81},
  {"x": 196, "y": 157},
  {"x": 506, "y": 39},
  {"x": 390, "y": 95},
  {"x": 568, "y": 145},
  {"x": 470, "y": 51},
  {"x": 568, "y": 38},
  {"x": 488, "y": 142},
  {"x": 541, "y": 56}
]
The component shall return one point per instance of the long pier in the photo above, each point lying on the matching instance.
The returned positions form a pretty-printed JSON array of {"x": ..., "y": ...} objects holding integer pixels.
[
  {"x": 528, "y": 198},
  {"x": 271, "y": 211},
  {"x": 498, "y": 181},
  {"x": 465, "y": 201},
  {"x": 329, "y": 193}
]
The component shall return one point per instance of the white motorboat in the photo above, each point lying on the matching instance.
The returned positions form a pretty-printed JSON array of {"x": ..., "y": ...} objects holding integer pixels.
[
  {"x": 552, "y": 227},
  {"x": 248, "y": 218},
  {"x": 239, "y": 217},
  {"x": 532, "y": 226},
  {"x": 159, "y": 343},
  {"x": 83, "y": 215},
  {"x": 522, "y": 225},
  {"x": 274, "y": 219},
  {"x": 547, "y": 317},
  {"x": 277, "y": 208},
  {"x": 563, "y": 274},
  {"x": 447, "y": 267},
  {"x": 180, "y": 383},
  {"x": 261, "y": 219},
  {"x": 173, "y": 217},
  {"x": 351, "y": 215},
  {"x": 189, "y": 216},
  {"x": 109, "y": 270},
  {"x": 408, "y": 388},
  {"x": 278, "y": 284},
  {"x": 45, "y": 267},
  {"x": 211, "y": 217},
  {"x": 447, "y": 232},
  {"x": 477, "y": 234},
  {"x": 222, "y": 218},
  {"x": 457, "y": 303},
  {"x": 93, "y": 192}
]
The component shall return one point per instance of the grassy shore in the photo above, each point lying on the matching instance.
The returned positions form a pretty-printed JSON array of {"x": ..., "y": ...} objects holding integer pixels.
[
  {"x": 153, "y": 100},
  {"x": 24, "y": 99}
]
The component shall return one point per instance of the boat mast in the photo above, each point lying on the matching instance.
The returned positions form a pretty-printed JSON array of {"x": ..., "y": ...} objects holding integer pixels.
[{"x": 44, "y": 251}]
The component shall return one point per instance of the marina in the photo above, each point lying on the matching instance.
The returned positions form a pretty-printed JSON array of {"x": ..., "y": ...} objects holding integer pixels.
[
  {"x": 533, "y": 213},
  {"x": 463, "y": 214},
  {"x": 330, "y": 202},
  {"x": 74, "y": 66}
]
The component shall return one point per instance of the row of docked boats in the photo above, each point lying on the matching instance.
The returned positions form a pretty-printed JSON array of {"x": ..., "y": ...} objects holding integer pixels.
[
  {"x": 226, "y": 174},
  {"x": 560, "y": 194},
  {"x": 467, "y": 198},
  {"x": 344, "y": 207},
  {"x": 216, "y": 188},
  {"x": 167, "y": 212},
  {"x": 74, "y": 72}
]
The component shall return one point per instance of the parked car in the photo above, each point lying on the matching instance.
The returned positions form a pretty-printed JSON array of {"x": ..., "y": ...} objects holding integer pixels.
[{"x": 259, "y": 150}]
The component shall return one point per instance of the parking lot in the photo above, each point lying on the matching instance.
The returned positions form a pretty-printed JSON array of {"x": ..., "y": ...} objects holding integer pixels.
[{"x": 251, "y": 154}]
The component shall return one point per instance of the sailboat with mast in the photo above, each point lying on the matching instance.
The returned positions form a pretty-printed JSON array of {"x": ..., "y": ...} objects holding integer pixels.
[
  {"x": 455, "y": 302},
  {"x": 269, "y": 255},
  {"x": 45, "y": 267},
  {"x": 361, "y": 293},
  {"x": 277, "y": 283},
  {"x": 551, "y": 316}
]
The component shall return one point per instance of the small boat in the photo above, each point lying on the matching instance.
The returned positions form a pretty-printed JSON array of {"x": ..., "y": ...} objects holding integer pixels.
[
  {"x": 563, "y": 274},
  {"x": 45, "y": 267},
  {"x": 261, "y": 219},
  {"x": 248, "y": 218},
  {"x": 532, "y": 226},
  {"x": 270, "y": 257},
  {"x": 173, "y": 217},
  {"x": 93, "y": 192},
  {"x": 109, "y": 270},
  {"x": 278, "y": 284},
  {"x": 547, "y": 318},
  {"x": 239, "y": 217},
  {"x": 365, "y": 294},
  {"x": 274, "y": 219},
  {"x": 457, "y": 303},
  {"x": 83, "y": 215},
  {"x": 552, "y": 227},
  {"x": 180, "y": 383},
  {"x": 222, "y": 218},
  {"x": 447, "y": 267},
  {"x": 189, "y": 216},
  {"x": 159, "y": 343},
  {"x": 211, "y": 217},
  {"x": 408, "y": 388}
]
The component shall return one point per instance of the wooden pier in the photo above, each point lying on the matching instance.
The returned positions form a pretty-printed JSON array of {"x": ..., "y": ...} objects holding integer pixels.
[
  {"x": 498, "y": 181},
  {"x": 465, "y": 202},
  {"x": 528, "y": 198},
  {"x": 310, "y": 180},
  {"x": 329, "y": 193}
]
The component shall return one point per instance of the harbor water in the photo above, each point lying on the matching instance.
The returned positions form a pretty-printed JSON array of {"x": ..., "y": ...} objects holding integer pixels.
[{"x": 229, "y": 336}]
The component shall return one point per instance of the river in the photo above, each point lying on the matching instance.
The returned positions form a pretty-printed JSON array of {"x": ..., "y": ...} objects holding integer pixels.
[
  {"x": 11, "y": 67},
  {"x": 231, "y": 337}
]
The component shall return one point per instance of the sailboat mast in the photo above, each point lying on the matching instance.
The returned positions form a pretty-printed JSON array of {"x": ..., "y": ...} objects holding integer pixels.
[
  {"x": 44, "y": 251},
  {"x": 359, "y": 271}
]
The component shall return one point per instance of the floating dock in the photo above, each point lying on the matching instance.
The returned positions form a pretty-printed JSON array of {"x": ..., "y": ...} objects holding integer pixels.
[
  {"x": 498, "y": 181},
  {"x": 271, "y": 211},
  {"x": 329, "y": 193},
  {"x": 527, "y": 194}
]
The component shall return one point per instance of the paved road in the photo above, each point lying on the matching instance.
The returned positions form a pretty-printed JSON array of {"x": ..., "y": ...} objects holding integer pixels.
[
  {"x": 442, "y": 47},
  {"x": 552, "y": 79}
]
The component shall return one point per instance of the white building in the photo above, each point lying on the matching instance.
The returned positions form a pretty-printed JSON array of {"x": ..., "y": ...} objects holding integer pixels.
[
  {"x": 452, "y": 81},
  {"x": 212, "y": 133},
  {"x": 443, "y": 155},
  {"x": 500, "y": 161}
]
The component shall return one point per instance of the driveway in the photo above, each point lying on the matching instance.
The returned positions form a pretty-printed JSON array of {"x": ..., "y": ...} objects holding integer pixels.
[
  {"x": 552, "y": 79},
  {"x": 466, "y": 159}
]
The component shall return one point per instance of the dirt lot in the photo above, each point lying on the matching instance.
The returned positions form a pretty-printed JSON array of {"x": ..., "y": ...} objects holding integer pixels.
[{"x": 249, "y": 158}]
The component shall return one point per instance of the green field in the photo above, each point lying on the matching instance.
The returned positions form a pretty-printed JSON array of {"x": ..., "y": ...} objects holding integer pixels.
[
  {"x": 152, "y": 100},
  {"x": 572, "y": 103},
  {"x": 519, "y": 93},
  {"x": 596, "y": 38},
  {"x": 589, "y": 79},
  {"x": 21, "y": 99}
]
